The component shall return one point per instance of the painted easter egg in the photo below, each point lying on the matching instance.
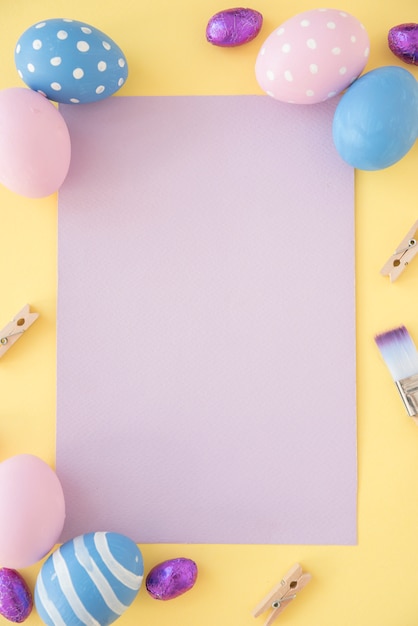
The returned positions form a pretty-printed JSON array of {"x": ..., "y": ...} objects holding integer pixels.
[
  {"x": 35, "y": 146},
  {"x": 403, "y": 42},
  {"x": 90, "y": 580},
  {"x": 376, "y": 121},
  {"x": 16, "y": 600},
  {"x": 70, "y": 61},
  {"x": 233, "y": 27},
  {"x": 312, "y": 56},
  {"x": 32, "y": 510},
  {"x": 171, "y": 579}
]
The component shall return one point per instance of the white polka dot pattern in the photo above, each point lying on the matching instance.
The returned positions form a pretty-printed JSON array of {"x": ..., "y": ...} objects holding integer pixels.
[
  {"x": 70, "y": 61},
  {"x": 312, "y": 56}
]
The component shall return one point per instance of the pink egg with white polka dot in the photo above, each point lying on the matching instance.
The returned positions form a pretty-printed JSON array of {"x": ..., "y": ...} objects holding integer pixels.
[{"x": 312, "y": 56}]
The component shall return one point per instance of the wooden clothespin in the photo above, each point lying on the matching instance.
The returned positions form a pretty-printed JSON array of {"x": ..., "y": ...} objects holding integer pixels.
[
  {"x": 403, "y": 255},
  {"x": 15, "y": 329},
  {"x": 283, "y": 593}
]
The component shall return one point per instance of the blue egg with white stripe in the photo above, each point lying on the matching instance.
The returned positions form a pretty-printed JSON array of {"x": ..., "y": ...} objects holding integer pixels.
[
  {"x": 89, "y": 581},
  {"x": 70, "y": 61}
]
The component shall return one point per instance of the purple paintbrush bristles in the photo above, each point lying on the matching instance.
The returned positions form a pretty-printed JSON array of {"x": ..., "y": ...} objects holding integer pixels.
[{"x": 399, "y": 352}]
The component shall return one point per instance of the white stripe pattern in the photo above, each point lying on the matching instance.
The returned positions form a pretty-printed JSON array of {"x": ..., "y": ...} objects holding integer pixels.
[
  {"x": 126, "y": 577},
  {"x": 99, "y": 580},
  {"x": 69, "y": 592},
  {"x": 48, "y": 606}
]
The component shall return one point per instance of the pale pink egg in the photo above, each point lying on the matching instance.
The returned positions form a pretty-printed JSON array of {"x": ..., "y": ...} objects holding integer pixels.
[
  {"x": 312, "y": 56},
  {"x": 32, "y": 510},
  {"x": 35, "y": 144}
]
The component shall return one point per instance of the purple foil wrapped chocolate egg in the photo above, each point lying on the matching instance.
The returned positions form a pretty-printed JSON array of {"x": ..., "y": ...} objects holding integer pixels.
[
  {"x": 403, "y": 42},
  {"x": 233, "y": 27},
  {"x": 16, "y": 600},
  {"x": 171, "y": 579}
]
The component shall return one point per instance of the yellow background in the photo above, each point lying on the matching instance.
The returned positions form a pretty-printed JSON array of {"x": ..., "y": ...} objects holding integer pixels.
[{"x": 372, "y": 584}]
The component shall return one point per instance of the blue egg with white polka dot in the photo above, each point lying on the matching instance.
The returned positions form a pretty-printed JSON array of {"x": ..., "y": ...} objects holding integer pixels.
[
  {"x": 89, "y": 581},
  {"x": 70, "y": 62}
]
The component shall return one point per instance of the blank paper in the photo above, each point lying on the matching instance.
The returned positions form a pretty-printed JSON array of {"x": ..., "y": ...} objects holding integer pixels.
[{"x": 206, "y": 323}]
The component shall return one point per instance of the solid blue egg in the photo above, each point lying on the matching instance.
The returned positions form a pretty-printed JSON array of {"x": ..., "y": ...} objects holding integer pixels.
[
  {"x": 376, "y": 121},
  {"x": 89, "y": 581},
  {"x": 70, "y": 61}
]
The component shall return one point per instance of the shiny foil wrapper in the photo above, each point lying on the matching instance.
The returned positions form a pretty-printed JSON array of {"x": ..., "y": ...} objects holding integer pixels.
[
  {"x": 233, "y": 27},
  {"x": 172, "y": 578},
  {"x": 16, "y": 600},
  {"x": 403, "y": 42}
]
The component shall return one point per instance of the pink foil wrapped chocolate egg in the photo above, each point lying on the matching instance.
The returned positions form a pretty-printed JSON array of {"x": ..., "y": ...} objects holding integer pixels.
[
  {"x": 233, "y": 27},
  {"x": 32, "y": 510},
  {"x": 312, "y": 56},
  {"x": 16, "y": 601},
  {"x": 171, "y": 579},
  {"x": 403, "y": 42}
]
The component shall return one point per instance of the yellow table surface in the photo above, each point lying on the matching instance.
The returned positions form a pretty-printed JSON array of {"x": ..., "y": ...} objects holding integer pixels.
[{"x": 374, "y": 583}]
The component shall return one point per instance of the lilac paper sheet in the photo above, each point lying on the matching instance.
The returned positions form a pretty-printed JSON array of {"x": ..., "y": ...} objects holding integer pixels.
[{"x": 206, "y": 323}]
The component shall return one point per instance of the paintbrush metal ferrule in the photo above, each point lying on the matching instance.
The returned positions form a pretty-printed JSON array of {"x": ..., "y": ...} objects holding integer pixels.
[{"x": 408, "y": 390}]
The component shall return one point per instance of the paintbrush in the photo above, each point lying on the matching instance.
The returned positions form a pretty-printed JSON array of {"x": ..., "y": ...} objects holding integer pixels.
[{"x": 401, "y": 357}]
